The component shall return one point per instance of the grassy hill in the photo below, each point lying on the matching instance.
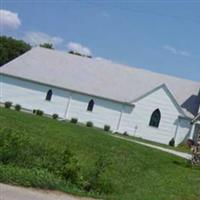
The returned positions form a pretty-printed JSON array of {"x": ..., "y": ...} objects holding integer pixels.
[{"x": 119, "y": 169}]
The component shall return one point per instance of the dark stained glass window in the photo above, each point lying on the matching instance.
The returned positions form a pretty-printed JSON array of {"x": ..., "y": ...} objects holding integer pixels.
[{"x": 155, "y": 118}]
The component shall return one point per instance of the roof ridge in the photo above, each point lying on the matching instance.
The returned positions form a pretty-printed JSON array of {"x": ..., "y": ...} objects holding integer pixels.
[{"x": 120, "y": 65}]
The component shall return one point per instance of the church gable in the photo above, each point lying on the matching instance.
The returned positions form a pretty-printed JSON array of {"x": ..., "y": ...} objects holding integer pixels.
[
  {"x": 161, "y": 95},
  {"x": 155, "y": 117}
]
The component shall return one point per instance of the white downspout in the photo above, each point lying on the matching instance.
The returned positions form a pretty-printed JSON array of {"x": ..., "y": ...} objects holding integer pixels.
[
  {"x": 176, "y": 131},
  {"x": 192, "y": 132},
  {"x": 68, "y": 106},
  {"x": 120, "y": 118}
]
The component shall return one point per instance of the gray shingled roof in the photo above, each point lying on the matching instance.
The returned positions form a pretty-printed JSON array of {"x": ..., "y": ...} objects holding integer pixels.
[{"x": 101, "y": 78}]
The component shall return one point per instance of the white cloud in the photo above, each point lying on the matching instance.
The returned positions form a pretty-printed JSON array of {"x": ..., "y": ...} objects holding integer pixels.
[
  {"x": 9, "y": 20},
  {"x": 184, "y": 53},
  {"x": 105, "y": 14},
  {"x": 170, "y": 48},
  {"x": 36, "y": 38},
  {"x": 175, "y": 51},
  {"x": 102, "y": 59},
  {"x": 99, "y": 58},
  {"x": 78, "y": 48}
]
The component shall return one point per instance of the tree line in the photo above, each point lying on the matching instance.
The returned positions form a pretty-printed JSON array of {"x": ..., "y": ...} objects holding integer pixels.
[{"x": 11, "y": 48}]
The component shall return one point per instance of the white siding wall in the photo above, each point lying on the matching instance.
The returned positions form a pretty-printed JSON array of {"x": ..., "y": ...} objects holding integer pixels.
[
  {"x": 104, "y": 112},
  {"x": 183, "y": 130},
  {"x": 32, "y": 95},
  {"x": 135, "y": 120}
]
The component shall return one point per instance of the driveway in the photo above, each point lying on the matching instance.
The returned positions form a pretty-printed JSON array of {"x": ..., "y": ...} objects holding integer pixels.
[{"x": 8, "y": 192}]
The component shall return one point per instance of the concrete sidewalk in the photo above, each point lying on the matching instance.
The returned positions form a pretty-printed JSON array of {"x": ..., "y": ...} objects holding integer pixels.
[
  {"x": 171, "y": 151},
  {"x": 8, "y": 192}
]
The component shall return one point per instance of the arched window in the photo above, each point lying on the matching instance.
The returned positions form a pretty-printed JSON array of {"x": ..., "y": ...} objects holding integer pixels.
[
  {"x": 155, "y": 118},
  {"x": 49, "y": 95},
  {"x": 90, "y": 105}
]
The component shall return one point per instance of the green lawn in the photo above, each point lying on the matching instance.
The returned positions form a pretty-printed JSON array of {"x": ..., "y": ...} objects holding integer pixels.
[
  {"x": 183, "y": 147},
  {"x": 131, "y": 171}
]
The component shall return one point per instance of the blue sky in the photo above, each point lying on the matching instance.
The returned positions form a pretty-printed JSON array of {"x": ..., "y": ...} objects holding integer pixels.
[{"x": 161, "y": 36}]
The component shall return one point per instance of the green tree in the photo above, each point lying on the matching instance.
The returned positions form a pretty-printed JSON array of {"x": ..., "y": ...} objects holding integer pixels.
[
  {"x": 47, "y": 45},
  {"x": 79, "y": 54},
  {"x": 11, "y": 48}
]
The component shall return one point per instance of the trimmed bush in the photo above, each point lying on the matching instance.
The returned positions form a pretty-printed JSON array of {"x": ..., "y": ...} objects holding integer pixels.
[
  {"x": 89, "y": 124},
  {"x": 106, "y": 128},
  {"x": 190, "y": 143},
  {"x": 39, "y": 112},
  {"x": 18, "y": 107},
  {"x": 55, "y": 116},
  {"x": 8, "y": 104},
  {"x": 125, "y": 133},
  {"x": 74, "y": 120},
  {"x": 172, "y": 142}
]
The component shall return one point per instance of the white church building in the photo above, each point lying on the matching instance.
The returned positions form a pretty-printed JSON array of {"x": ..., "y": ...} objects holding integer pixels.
[{"x": 142, "y": 103}]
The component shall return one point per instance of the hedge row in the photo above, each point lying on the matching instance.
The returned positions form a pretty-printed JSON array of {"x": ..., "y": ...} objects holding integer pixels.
[{"x": 38, "y": 112}]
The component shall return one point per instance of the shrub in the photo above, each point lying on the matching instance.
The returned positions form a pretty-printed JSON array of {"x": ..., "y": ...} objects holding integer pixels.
[
  {"x": 125, "y": 133},
  {"x": 190, "y": 143},
  {"x": 96, "y": 179},
  {"x": 17, "y": 148},
  {"x": 71, "y": 169},
  {"x": 89, "y": 124},
  {"x": 14, "y": 146},
  {"x": 55, "y": 116},
  {"x": 106, "y": 128},
  {"x": 186, "y": 145},
  {"x": 59, "y": 161},
  {"x": 33, "y": 177},
  {"x": 8, "y": 104},
  {"x": 172, "y": 142},
  {"x": 74, "y": 120},
  {"x": 39, "y": 112},
  {"x": 18, "y": 107}
]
